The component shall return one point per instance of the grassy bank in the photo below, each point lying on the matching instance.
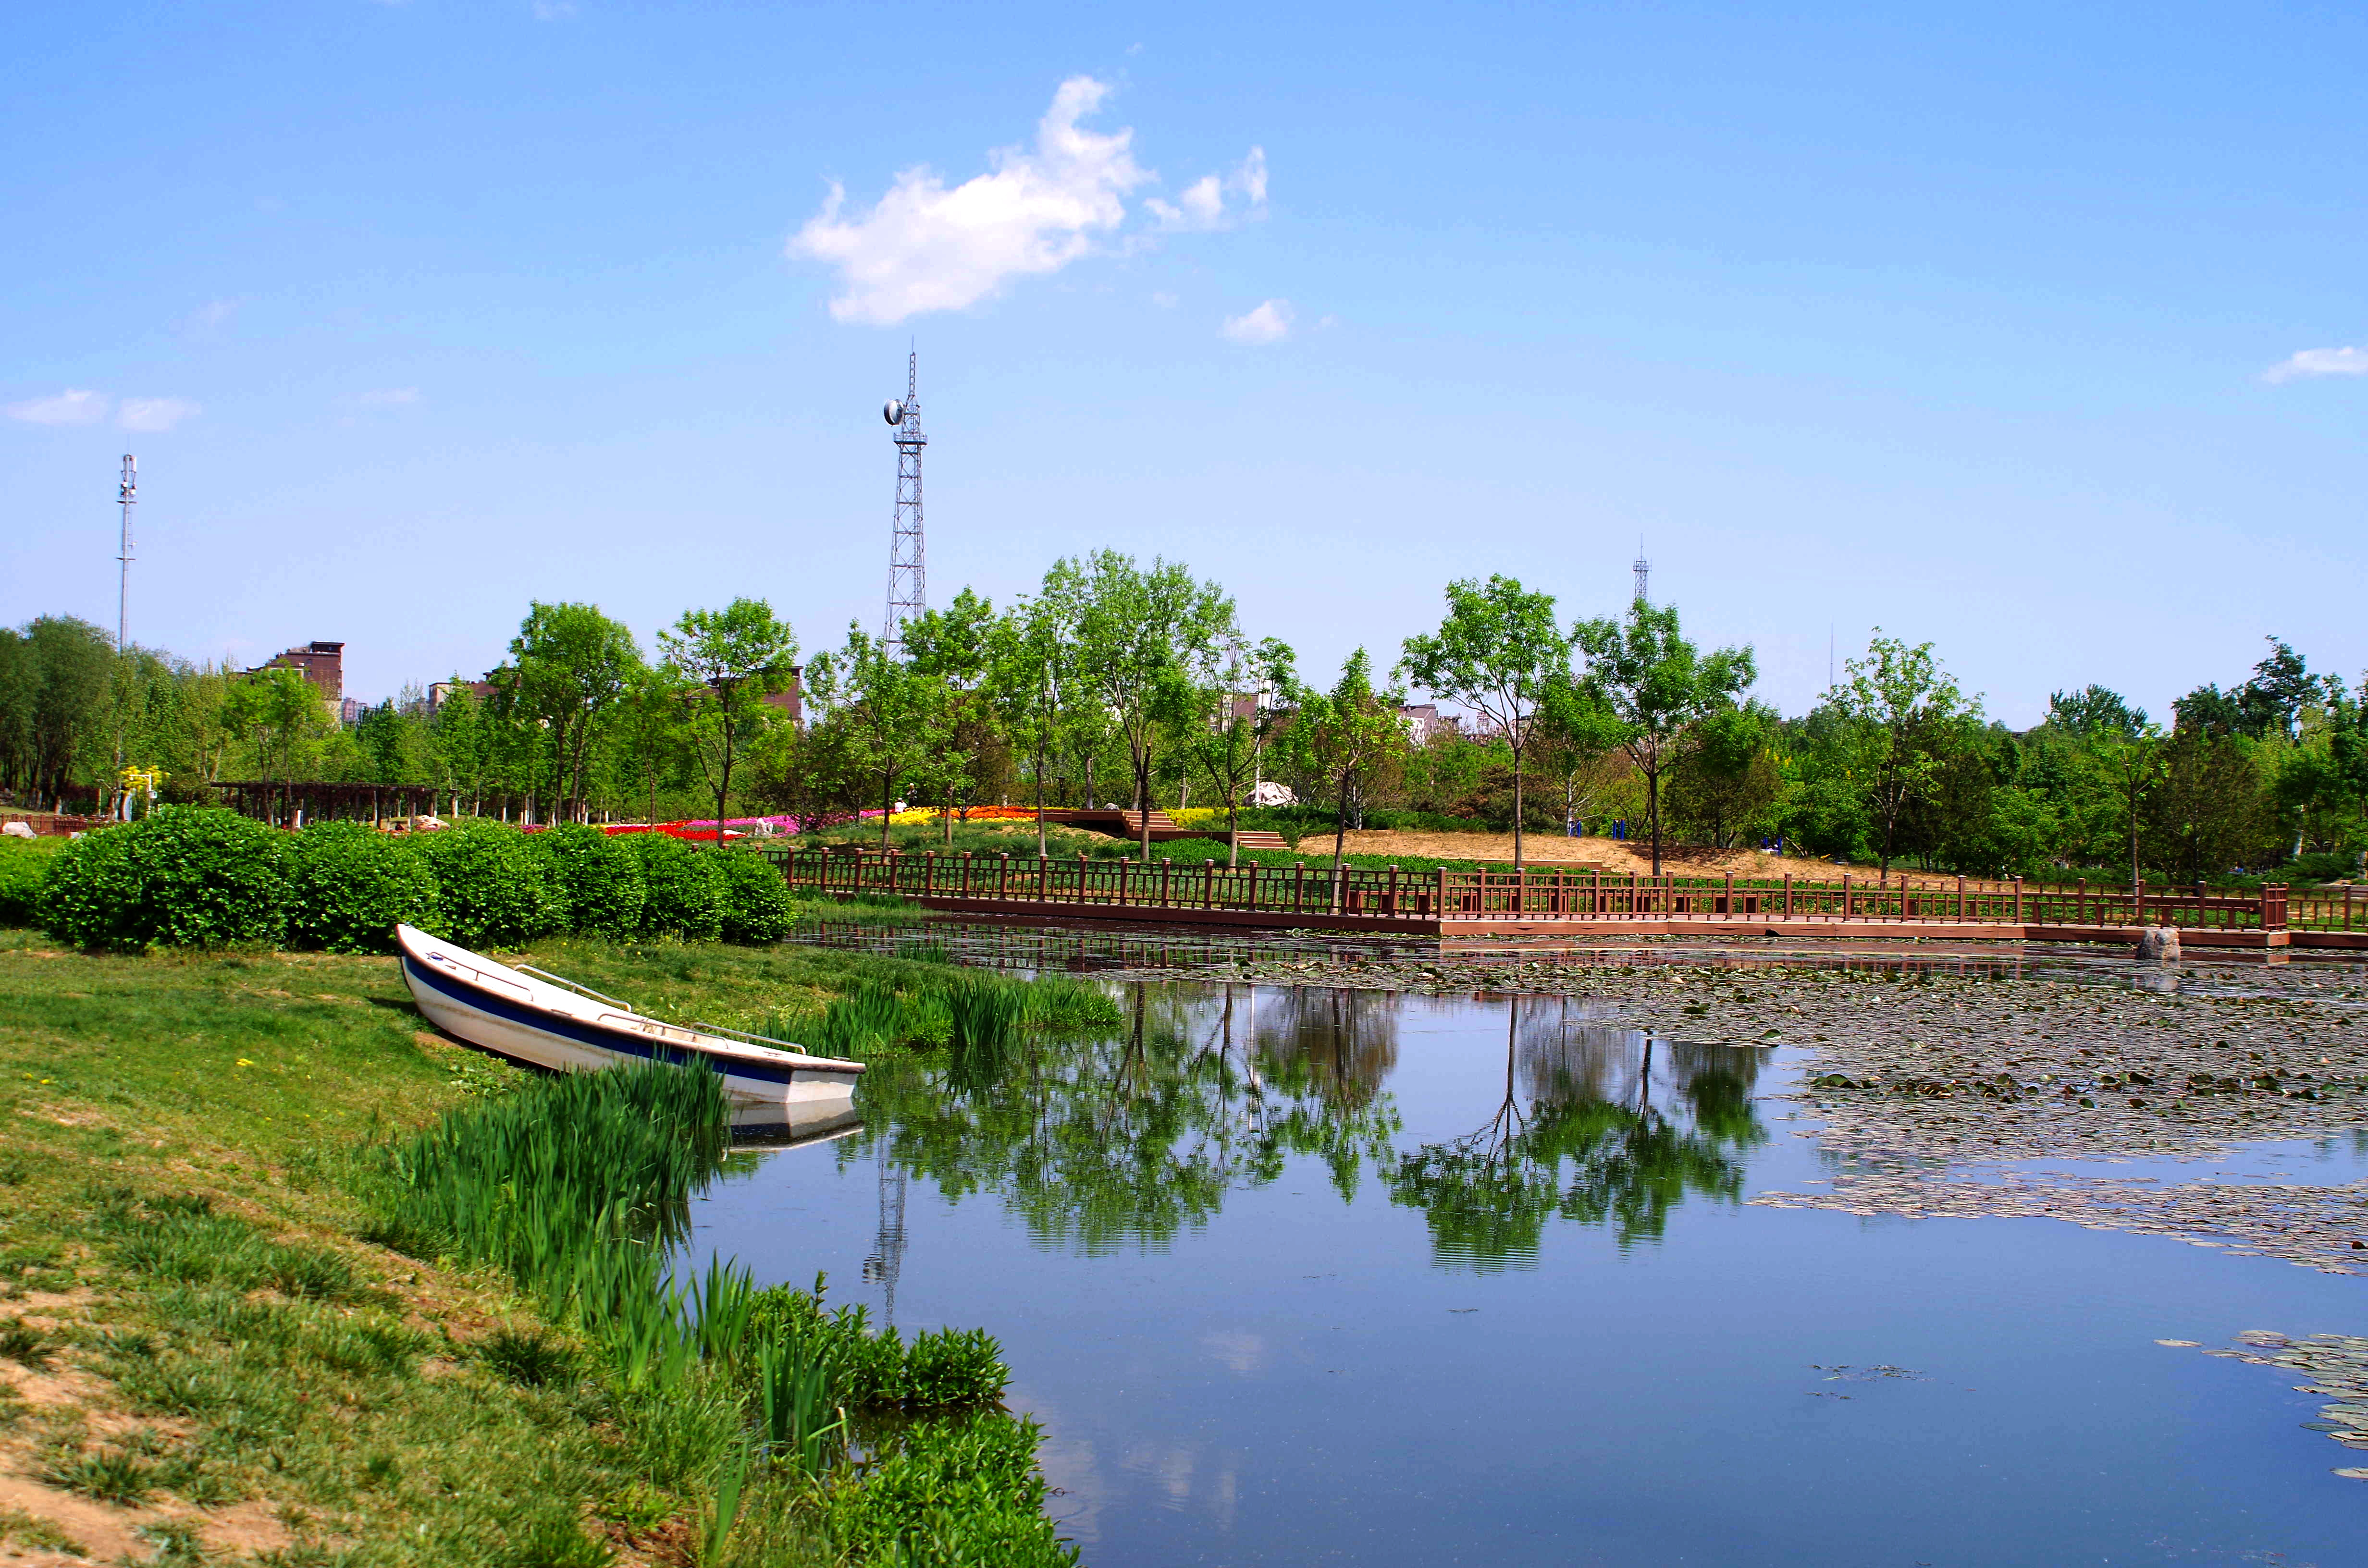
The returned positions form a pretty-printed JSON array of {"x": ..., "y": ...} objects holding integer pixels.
[{"x": 202, "y": 1355}]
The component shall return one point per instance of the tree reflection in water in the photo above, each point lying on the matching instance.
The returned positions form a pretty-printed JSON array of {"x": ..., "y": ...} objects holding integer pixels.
[
  {"x": 1100, "y": 1142},
  {"x": 1097, "y": 1143},
  {"x": 1588, "y": 1141}
]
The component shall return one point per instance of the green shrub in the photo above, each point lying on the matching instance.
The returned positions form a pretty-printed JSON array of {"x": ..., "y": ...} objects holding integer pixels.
[
  {"x": 949, "y": 1495},
  {"x": 755, "y": 896},
  {"x": 595, "y": 880},
  {"x": 954, "y": 1366},
  {"x": 187, "y": 876},
  {"x": 348, "y": 885},
  {"x": 489, "y": 885},
  {"x": 682, "y": 888},
  {"x": 23, "y": 863}
]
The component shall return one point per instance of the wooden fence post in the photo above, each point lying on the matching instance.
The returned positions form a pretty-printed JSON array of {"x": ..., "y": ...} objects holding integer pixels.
[
  {"x": 1788, "y": 893},
  {"x": 1298, "y": 886},
  {"x": 1439, "y": 909},
  {"x": 2017, "y": 900},
  {"x": 1846, "y": 898},
  {"x": 1728, "y": 908},
  {"x": 1043, "y": 878}
]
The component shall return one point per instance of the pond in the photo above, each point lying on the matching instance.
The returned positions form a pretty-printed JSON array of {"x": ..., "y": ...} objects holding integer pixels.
[{"x": 1297, "y": 1274}]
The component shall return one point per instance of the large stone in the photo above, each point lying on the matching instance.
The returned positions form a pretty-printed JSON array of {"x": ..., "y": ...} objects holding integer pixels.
[
  {"x": 18, "y": 829},
  {"x": 2159, "y": 944}
]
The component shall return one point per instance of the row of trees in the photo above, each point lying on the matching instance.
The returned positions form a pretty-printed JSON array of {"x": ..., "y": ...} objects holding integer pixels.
[{"x": 1119, "y": 682}]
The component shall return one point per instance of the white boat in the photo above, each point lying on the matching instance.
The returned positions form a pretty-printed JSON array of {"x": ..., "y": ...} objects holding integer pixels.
[{"x": 531, "y": 1015}]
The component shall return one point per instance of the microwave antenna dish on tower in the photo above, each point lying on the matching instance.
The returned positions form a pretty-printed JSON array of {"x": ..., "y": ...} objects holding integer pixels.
[{"x": 907, "y": 580}]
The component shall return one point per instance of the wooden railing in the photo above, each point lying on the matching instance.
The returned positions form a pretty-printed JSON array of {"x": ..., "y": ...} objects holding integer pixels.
[{"x": 1537, "y": 892}]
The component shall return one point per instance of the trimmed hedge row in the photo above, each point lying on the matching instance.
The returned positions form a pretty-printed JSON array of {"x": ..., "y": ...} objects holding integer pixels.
[{"x": 192, "y": 876}]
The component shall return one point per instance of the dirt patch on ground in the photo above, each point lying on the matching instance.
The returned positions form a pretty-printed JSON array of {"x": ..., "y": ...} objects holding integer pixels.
[{"x": 1611, "y": 854}]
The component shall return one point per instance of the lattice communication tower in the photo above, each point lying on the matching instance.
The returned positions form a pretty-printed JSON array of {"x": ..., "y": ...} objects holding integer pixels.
[
  {"x": 126, "y": 495},
  {"x": 908, "y": 593},
  {"x": 1643, "y": 573}
]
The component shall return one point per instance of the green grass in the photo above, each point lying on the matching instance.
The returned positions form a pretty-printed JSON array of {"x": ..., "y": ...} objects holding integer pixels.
[{"x": 181, "y": 1142}]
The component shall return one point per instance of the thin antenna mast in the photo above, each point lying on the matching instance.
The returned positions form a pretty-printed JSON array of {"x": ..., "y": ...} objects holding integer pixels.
[
  {"x": 1643, "y": 573},
  {"x": 126, "y": 495},
  {"x": 907, "y": 584}
]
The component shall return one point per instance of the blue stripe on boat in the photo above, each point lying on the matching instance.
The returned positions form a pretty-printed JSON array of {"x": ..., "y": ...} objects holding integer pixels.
[{"x": 625, "y": 1042}]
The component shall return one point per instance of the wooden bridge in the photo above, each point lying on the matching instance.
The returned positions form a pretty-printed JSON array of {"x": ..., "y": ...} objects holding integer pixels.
[
  {"x": 1121, "y": 823},
  {"x": 1564, "y": 900}
]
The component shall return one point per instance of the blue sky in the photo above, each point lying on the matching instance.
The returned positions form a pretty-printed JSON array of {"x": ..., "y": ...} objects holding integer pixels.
[{"x": 2035, "y": 332}]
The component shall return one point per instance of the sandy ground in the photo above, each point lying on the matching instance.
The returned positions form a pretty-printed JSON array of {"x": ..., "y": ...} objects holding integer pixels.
[{"x": 1611, "y": 854}]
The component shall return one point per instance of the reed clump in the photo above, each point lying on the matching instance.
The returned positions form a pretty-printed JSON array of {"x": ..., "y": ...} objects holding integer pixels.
[
  {"x": 776, "y": 1405},
  {"x": 932, "y": 1004}
]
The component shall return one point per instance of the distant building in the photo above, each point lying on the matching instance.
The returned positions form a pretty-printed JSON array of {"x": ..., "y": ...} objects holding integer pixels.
[
  {"x": 441, "y": 691},
  {"x": 350, "y": 711},
  {"x": 1424, "y": 721},
  {"x": 323, "y": 663},
  {"x": 792, "y": 699}
]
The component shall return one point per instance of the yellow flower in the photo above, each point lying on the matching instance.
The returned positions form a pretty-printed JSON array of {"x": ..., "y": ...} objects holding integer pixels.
[{"x": 245, "y": 1063}]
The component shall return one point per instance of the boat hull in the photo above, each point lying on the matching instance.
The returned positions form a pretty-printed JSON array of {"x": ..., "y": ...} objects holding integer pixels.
[{"x": 494, "y": 1008}]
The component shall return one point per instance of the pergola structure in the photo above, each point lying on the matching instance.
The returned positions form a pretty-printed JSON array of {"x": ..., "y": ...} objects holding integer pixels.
[{"x": 281, "y": 802}]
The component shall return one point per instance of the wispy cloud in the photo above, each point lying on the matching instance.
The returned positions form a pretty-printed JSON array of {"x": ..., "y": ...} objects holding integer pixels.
[
  {"x": 2319, "y": 362},
  {"x": 1270, "y": 323},
  {"x": 1203, "y": 206},
  {"x": 554, "y": 10},
  {"x": 71, "y": 406},
  {"x": 925, "y": 247},
  {"x": 208, "y": 318},
  {"x": 388, "y": 397},
  {"x": 155, "y": 415}
]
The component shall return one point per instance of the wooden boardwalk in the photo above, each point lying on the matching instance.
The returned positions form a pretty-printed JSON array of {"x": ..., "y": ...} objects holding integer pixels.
[{"x": 1568, "y": 902}]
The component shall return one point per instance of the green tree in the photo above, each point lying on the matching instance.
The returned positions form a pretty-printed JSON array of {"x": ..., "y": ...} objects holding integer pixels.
[
  {"x": 955, "y": 647},
  {"x": 1578, "y": 740},
  {"x": 1499, "y": 654},
  {"x": 55, "y": 682},
  {"x": 733, "y": 658},
  {"x": 569, "y": 666},
  {"x": 1724, "y": 776},
  {"x": 1659, "y": 685},
  {"x": 1904, "y": 713},
  {"x": 1231, "y": 716},
  {"x": 889, "y": 720},
  {"x": 1343, "y": 735},
  {"x": 281, "y": 715},
  {"x": 1033, "y": 683},
  {"x": 649, "y": 747},
  {"x": 2207, "y": 812},
  {"x": 1137, "y": 632}
]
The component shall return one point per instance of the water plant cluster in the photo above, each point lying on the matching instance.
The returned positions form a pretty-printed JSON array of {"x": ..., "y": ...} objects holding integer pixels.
[
  {"x": 974, "y": 1014},
  {"x": 576, "y": 1188},
  {"x": 198, "y": 877}
]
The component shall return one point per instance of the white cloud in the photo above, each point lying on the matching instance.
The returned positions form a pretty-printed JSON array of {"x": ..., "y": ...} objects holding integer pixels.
[
  {"x": 68, "y": 407},
  {"x": 925, "y": 247},
  {"x": 2320, "y": 362},
  {"x": 1202, "y": 205},
  {"x": 1165, "y": 300},
  {"x": 389, "y": 397},
  {"x": 1270, "y": 323},
  {"x": 554, "y": 10},
  {"x": 155, "y": 415}
]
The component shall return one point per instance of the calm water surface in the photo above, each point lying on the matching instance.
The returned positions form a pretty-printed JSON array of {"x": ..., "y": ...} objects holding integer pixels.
[{"x": 1321, "y": 1276}]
